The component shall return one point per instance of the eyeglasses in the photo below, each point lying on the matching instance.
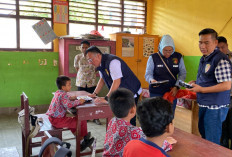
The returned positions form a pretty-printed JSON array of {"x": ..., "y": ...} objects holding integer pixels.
[
  {"x": 90, "y": 60},
  {"x": 167, "y": 51}
]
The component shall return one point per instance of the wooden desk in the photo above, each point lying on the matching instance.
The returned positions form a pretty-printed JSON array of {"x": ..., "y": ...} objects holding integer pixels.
[
  {"x": 89, "y": 111},
  {"x": 187, "y": 118},
  {"x": 189, "y": 145}
]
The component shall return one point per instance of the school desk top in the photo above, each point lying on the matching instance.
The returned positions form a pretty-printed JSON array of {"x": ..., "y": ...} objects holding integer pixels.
[{"x": 189, "y": 145}]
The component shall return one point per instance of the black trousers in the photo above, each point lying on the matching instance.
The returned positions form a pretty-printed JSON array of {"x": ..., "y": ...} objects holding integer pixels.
[{"x": 87, "y": 89}]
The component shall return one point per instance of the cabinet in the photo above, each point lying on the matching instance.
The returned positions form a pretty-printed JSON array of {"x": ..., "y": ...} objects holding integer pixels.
[
  {"x": 69, "y": 48},
  {"x": 135, "y": 49}
]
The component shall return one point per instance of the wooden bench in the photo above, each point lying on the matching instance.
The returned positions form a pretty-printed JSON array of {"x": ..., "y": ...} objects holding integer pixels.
[{"x": 26, "y": 128}]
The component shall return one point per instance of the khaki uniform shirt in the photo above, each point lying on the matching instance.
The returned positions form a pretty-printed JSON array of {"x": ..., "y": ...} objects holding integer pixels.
[{"x": 86, "y": 74}]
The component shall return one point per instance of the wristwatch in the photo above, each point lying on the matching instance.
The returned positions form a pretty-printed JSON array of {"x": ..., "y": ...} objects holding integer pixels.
[
  {"x": 95, "y": 93},
  {"x": 106, "y": 98}
]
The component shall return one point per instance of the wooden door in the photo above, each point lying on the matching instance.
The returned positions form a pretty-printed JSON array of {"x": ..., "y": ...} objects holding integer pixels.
[
  {"x": 127, "y": 49},
  {"x": 148, "y": 44}
]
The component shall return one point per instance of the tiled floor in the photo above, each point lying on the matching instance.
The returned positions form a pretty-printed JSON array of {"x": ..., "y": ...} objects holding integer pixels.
[
  {"x": 10, "y": 131},
  {"x": 10, "y": 135}
]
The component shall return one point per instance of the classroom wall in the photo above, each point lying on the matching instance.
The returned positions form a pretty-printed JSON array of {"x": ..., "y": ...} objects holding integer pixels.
[
  {"x": 184, "y": 19},
  {"x": 60, "y": 30},
  {"x": 21, "y": 71},
  {"x": 24, "y": 71},
  {"x": 31, "y": 72}
]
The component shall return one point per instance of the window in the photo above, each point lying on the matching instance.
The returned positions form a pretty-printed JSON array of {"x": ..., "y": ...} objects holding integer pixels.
[
  {"x": 107, "y": 16},
  {"x": 78, "y": 29},
  {"x": 134, "y": 14},
  {"x": 82, "y": 11},
  {"x": 110, "y": 12},
  {"x": 17, "y": 18}
]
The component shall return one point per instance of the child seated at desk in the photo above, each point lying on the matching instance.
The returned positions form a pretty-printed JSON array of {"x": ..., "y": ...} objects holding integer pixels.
[
  {"x": 58, "y": 107},
  {"x": 156, "y": 118},
  {"x": 120, "y": 131}
]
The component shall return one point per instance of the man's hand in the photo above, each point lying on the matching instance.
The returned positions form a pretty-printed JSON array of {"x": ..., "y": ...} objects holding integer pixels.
[
  {"x": 93, "y": 95},
  {"x": 196, "y": 88},
  {"x": 191, "y": 82},
  {"x": 100, "y": 100}
]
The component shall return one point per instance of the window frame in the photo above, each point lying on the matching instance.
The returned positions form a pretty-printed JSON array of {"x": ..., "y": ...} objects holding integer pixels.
[
  {"x": 18, "y": 17},
  {"x": 121, "y": 26}
]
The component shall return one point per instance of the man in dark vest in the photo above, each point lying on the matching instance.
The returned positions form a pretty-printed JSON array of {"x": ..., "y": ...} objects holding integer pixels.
[
  {"x": 212, "y": 86},
  {"x": 115, "y": 73}
]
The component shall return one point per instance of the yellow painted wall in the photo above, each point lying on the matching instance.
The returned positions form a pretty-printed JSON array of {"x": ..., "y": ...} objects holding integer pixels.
[
  {"x": 184, "y": 19},
  {"x": 60, "y": 30}
]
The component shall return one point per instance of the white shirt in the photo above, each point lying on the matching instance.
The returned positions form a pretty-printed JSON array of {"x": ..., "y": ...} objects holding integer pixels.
[{"x": 116, "y": 72}]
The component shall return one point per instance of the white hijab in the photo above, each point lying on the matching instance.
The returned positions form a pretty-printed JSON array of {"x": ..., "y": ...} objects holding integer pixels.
[{"x": 166, "y": 40}]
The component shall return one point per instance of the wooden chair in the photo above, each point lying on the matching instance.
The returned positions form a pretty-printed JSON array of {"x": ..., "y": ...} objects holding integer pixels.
[{"x": 26, "y": 129}]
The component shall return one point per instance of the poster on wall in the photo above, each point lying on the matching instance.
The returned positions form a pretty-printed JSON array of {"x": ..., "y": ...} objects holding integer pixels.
[
  {"x": 128, "y": 46},
  {"x": 44, "y": 31},
  {"x": 104, "y": 49},
  {"x": 60, "y": 11},
  {"x": 148, "y": 46}
]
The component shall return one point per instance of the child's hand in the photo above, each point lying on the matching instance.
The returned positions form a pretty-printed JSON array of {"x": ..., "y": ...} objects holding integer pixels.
[
  {"x": 72, "y": 98},
  {"x": 171, "y": 140},
  {"x": 81, "y": 101},
  {"x": 167, "y": 145}
]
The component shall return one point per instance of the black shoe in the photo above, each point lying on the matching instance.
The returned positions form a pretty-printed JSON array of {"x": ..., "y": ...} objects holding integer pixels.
[
  {"x": 86, "y": 143},
  {"x": 97, "y": 121},
  {"x": 86, "y": 137}
]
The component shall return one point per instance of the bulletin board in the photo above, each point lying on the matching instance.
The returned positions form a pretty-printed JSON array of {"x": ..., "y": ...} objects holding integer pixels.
[
  {"x": 148, "y": 46},
  {"x": 60, "y": 11}
]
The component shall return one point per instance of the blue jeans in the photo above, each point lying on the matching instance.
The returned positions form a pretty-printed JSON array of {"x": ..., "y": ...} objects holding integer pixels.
[
  {"x": 161, "y": 95},
  {"x": 210, "y": 123}
]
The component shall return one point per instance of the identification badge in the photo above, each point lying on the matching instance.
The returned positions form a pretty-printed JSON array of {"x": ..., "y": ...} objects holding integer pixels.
[
  {"x": 175, "y": 61},
  {"x": 207, "y": 67},
  {"x": 107, "y": 72},
  {"x": 160, "y": 65}
]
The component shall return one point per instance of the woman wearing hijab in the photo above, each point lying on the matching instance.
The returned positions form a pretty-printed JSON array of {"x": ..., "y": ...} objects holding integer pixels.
[{"x": 165, "y": 65}]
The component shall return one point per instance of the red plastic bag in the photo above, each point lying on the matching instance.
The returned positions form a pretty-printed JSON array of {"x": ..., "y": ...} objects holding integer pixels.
[
  {"x": 182, "y": 93},
  {"x": 94, "y": 32}
]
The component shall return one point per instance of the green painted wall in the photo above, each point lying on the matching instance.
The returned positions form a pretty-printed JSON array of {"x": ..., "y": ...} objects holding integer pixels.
[
  {"x": 191, "y": 64},
  {"x": 21, "y": 71}
]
